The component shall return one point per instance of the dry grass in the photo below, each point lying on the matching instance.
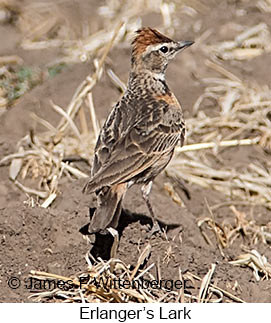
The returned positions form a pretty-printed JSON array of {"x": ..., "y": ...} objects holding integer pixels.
[
  {"x": 228, "y": 232},
  {"x": 58, "y": 31},
  {"x": 240, "y": 115},
  {"x": 43, "y": 159},
  {"x": 250, "y": 43},
  {"x": 115, "y": 281},
  {"x": 40, "y": 156}
]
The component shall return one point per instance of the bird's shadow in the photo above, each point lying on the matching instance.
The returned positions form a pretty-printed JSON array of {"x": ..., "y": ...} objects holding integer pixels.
[{"x": 103, "y": 242}]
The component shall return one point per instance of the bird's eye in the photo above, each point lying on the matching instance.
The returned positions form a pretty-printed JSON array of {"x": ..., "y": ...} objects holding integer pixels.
[{"x": 164, "y": 49}]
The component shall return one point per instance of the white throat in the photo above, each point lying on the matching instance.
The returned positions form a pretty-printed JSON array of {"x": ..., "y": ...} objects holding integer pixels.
[{"x": 160, "y": 76}]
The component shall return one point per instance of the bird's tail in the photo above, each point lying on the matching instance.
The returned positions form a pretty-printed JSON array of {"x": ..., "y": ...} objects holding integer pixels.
[{"x": 108, "y": 209}]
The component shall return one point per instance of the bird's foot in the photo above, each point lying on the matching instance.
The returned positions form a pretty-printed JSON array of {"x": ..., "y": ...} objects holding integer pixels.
[{"x": 154, "y": 230}]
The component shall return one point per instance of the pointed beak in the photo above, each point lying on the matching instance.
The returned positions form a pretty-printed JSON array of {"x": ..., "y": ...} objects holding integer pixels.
[{"x": 184, "y": 44}]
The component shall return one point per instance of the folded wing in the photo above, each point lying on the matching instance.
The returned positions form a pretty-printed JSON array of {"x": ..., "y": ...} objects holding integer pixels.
[{"x": 127, "y": 146}]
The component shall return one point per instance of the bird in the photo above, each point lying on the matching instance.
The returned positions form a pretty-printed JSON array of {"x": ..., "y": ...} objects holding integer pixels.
[{"x": 138, "y": 138}]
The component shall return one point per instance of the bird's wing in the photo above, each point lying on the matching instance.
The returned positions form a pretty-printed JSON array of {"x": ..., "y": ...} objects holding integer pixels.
[{"x": 130, "y": 143}]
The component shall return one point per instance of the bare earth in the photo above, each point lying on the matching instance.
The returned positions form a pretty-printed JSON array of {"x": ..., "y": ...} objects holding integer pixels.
[{"x": 50, "y": 240}]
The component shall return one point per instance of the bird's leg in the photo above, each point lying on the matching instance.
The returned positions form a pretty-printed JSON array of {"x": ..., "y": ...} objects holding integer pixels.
[{"x": 146, "y": 188}]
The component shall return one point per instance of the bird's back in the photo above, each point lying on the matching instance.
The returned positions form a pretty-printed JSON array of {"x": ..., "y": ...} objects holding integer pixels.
[{"x": 145, "y": 124}]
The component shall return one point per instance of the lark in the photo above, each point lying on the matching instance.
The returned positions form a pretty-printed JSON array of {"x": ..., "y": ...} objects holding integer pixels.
[{"x": 138, "y": 138}]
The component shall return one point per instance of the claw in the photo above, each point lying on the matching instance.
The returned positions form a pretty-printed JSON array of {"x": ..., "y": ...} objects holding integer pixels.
[{"x": 154, "y": 230}]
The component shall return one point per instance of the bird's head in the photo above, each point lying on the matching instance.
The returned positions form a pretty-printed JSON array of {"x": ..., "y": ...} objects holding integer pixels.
[{"x": 152, "y": 51}]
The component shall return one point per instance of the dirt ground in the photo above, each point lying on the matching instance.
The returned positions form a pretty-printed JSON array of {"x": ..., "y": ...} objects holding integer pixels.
[{"x": 33, "y": 238}]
